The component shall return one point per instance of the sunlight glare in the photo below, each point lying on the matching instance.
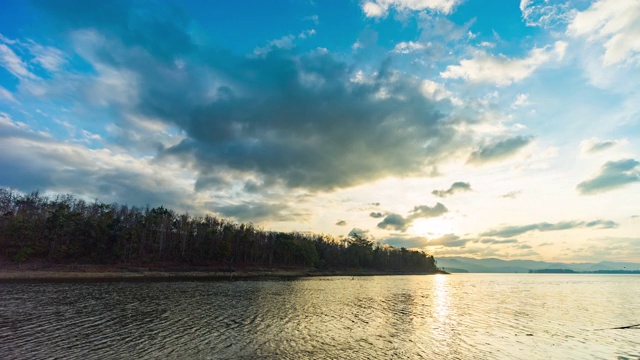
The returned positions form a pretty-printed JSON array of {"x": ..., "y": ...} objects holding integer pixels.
[{"x": 432, "y": 228}]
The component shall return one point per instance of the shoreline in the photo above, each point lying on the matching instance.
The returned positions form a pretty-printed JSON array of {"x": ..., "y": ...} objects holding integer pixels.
[{"x": 93, "y": 273}]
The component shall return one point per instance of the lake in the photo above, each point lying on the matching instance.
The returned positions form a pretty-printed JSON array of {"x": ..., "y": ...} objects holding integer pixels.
[{"x": 461, "y": 316}]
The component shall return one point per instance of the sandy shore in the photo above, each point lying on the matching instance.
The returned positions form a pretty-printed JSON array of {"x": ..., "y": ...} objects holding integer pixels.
[{"x": 75, "y": 273}]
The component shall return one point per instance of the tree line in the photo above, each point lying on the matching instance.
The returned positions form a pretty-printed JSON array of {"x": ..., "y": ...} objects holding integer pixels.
[{"x": 65, "y": 229}]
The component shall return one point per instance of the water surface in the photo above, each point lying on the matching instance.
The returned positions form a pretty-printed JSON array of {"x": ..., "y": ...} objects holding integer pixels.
[{"x": 462, "y": 316}]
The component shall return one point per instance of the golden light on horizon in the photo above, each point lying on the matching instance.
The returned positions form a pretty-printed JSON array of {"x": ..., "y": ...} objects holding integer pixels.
[{"x": 432, "y": 228}]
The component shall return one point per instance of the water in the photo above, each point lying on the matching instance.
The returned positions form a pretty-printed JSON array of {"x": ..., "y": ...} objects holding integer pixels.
[{"x": 465, "y": 316}]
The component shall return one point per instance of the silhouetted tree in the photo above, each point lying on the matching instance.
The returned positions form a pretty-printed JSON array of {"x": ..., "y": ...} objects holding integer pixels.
[{"x": 66, "y": 229}]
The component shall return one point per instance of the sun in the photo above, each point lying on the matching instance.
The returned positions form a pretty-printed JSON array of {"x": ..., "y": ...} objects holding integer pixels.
[{"x": 432, "y": 228}]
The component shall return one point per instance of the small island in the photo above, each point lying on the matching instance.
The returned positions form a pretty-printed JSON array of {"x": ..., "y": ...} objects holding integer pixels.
[{"x": 64, "y": 237}]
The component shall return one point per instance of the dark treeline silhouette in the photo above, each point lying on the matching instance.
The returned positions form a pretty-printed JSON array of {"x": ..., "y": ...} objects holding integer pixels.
[
  {"x": 552, "y": 271},
  {"x": 65, "y": 229},
  {"x": 569, "y": 271}
]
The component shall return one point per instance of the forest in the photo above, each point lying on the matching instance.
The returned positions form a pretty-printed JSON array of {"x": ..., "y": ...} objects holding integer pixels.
[{"x": 64, "y": 229}]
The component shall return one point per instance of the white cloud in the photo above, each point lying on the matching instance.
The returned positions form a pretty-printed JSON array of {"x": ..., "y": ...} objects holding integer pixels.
[
  {"x": 407, "y": 47},
  {"x": 544, "y": 13},
  {"x": 521, "y": 100},
  {"x": 6, "y": 95},
  {"x": 595, "y": 145},
  {"x": 372, "y": 9},
  {"x": 10, "y": 61},
  {"x": 48, "y": 57},
  {"x": 436, "y": 91},
  {"x": 615, "y": 23},
  {"x": 285, "y": 42},
  {"x": 502, "y": 70},
  {"x": 307, "y": 33},
  {"x": 313, "y": 18},
  {"x": 380, "y": 8}
]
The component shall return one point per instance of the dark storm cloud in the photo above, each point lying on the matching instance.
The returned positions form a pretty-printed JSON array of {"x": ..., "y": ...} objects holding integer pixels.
[
  {"x": 498, "y": 150},
  {"x": 457, "y": 186},
  {"x": 509, "y": 231},
  {"x": 398, "y": 222},
  {"x": 613, "y": 175},
  {"x": 298, "y": 120}
]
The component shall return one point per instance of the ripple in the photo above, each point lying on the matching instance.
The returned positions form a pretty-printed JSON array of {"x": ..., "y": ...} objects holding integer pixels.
[{"x": 409, "y": 317}]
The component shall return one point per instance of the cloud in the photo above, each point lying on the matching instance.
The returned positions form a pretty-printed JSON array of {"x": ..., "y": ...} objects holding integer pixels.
[
  {"x": 260, "y": 211},
  {"x": 544, "y": 13},
  {"x": 457, "y": 186},
  {"x": 510, "y": 231},
  {"x": 285, "y": 42},
  {"x": 312, "y": 18},
  {"x": 511, "y": 194},
  {"x": 48, "y": 57},
  {"x": 409, "y": 242},
  {"x": 498, "y": 149},
  {"x": 407, "y": 47},
  {"x": 14, "y": 64},
  {"x": 285, "y": 119},
  {"x": 592, "y": 146},
  {"x": 341, "y": 223},
  {"x": 34, "y": 160},
  {"x": 602, "y": 224},
  {"x": 498, "y": 242},
  {"x": 502, "y": 70},
  {"x": 359, "y": 232},
  {"x": 523, "y": 247},
  {"x": 615, "y": 24},
  {"x": 613, "y": 175},
  {"x": 393, "y": 221},
  {"x": 418, "y": 242},
  {"x": 376, "y": 215},
  {"x": 521, "y": 101},
  {"x": 380, "y": 8},
  {"x": 449, "y": 240},
  {"x": 438, "y": 92},
  {"x": 425, "y": 212},
  {"x": 610, "y": 248},
  {"x": 6, "y": 95}
]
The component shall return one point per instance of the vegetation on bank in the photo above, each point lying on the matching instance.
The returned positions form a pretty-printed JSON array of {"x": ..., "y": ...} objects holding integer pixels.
[{"x": 64, "y": 229}]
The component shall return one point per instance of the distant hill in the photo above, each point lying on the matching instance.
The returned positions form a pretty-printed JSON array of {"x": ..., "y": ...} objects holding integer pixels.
[{"x": 493, "y": 265}]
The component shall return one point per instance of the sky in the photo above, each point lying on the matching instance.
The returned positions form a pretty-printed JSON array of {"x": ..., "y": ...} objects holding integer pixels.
[{"x": 482, "y": 128}]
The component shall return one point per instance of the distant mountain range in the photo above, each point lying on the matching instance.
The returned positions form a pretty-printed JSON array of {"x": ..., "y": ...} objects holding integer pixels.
[{"x": 493, "y": 265}]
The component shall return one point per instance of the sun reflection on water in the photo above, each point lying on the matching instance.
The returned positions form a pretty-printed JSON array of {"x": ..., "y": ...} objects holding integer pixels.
[{"x": 442, "y": 316}]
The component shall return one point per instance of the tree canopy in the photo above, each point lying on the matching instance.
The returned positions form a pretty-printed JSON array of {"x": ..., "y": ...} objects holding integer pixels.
[{"x": 65, "y": 229}]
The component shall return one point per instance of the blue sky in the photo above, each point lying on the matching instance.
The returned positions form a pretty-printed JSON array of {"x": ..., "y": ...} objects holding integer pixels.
[{"x": 462, "y": 127}]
